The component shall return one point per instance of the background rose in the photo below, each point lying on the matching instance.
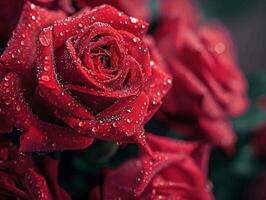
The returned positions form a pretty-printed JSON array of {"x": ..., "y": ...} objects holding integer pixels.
[
  {"x": 208, "y": 86},
  {"x": 11, "y": 10},
  {"x": 25, "y": 177},
  {"x": 91, "y": 71},
  {"x": 174, "y": 172}
]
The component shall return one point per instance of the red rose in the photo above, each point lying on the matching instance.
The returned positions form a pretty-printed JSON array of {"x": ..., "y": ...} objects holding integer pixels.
[
  {"x": 25, "y": 177},
  {"x": 11, "y": 10},
  {"x": 173, "y": 173},
  {"x": 73, "y": 79},
  {"x": 136, "y": 8},
  {"x": 208, "y": 86}
]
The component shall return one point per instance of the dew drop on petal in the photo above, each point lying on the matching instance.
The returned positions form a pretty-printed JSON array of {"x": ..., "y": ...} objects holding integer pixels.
[
  {"x": 133, "y": 20},
  {"x": 219, "y": 48},
  {"x": 43, "y": 40},
  {"x": 94, "y": 129},
  {"x": 114, "y": 124},
  {"x": 18, "y": 108},
  {"x": 32, "y": 6},
  {"x": 45, "y": 78},
  {"x": 80, "y": 124}
]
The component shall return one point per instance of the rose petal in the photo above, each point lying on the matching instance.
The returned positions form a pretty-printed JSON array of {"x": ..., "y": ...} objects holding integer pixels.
[
  {"x": 49, "y": 85},
  {"x": 20, "y": 53},
  {"x": 105, "y": 14},
  {"x": 38, "y": 136}
]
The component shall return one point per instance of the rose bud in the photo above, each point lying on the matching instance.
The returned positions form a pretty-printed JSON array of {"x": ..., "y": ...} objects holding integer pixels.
[
  {"x": 11, "y": 10},
  {"x": 73, "y": 79},
  {"x": 172, "y": 173},
  {"x": 208, "y": 86},
  {"x": 136, "y": 8},
  {"x": 24, "y": 177}
]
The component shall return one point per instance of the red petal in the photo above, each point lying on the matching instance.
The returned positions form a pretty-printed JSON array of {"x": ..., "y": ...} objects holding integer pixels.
[
  {"x": 38, "y": 136},
  {"x": 48, "y": 83},
  {"x": 105, "y": 14},
  {"x": 21, "y": 51}
]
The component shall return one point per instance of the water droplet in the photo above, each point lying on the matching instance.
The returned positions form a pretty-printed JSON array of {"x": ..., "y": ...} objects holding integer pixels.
[
  {"x": 128, "y": 121},
  {"x": 18, "y": 108},
  {"x": 45, "y": 78},
  {"x": 32, "y": 6},
  {"x": 169, "y": 81},
  {"x": 61, "y": 33},
  {"x": 93, "y": 17},
  {"x": 80, "y": 124},
  {"x": 13, "y": 55},
  {"x": 219, "y": 48},
  {"x": 133, "y": 20},
  {"x": 33, "y": 17},
  {"x": 94, "y": 129},
  {"x": 18, "y": 50},
  {"x": 143, "y": 26},
  {"x": 129, "y": 110},
  {"x": 22, "y": 43},
  {"x": 114, "y": 124},
  {"x": 119, "y": 14},
  {"x": 6, "y": 78},
  {"x": 46, "y": 58},
  {"x": 135, "y": 39},
  {"x": 29, "y": 25},
  {"x": 23, "y": 36},
  {"x": 46, "y": 69},
  {"x": 43, "y": 40},
  {"x": 151, "y": 63},
  {"x": 80, "y": 25}
]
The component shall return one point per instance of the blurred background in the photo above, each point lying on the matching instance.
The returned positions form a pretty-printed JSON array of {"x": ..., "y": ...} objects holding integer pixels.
[{"x": 240, "y": 177}]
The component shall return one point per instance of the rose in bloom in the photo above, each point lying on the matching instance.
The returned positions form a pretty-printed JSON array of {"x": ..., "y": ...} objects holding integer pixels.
[
  {"x": 208, "y": 86},
  {"x": 69, "y": 80},
  {"x": 135, "y": 8},
  {"x": 24, "y": 177},
  {"x": 11, "y": 10},
  {"x": 175, "y": 172}
]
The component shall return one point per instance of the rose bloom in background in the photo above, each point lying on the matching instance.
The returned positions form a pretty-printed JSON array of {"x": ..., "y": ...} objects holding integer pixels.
[
  {"x": 208, "y": 86},
  {"x": 177, "y": 172},
  {"x": 24, "y": 176}
]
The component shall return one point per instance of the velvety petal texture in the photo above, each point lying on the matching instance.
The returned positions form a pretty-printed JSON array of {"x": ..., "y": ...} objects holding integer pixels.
[
  {"x": 208, "y": 87},
  {"x": 135, "y": 8},
  {"x": 174, "y": 172},
  {"x": 11, "y": 10},
  {"x": 68, "y": 80},
  {"x": 25, "y": 177}
]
